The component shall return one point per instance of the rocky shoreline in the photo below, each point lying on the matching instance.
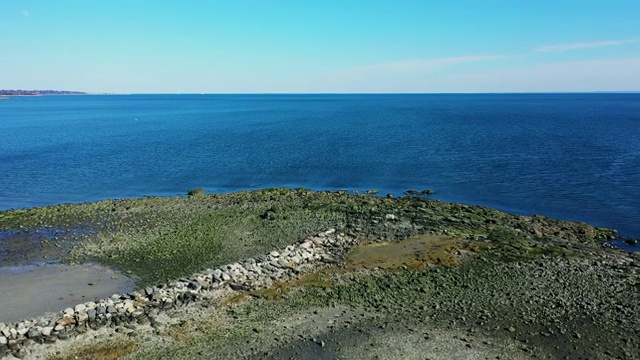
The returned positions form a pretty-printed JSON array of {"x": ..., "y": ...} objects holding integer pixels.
[
  {"x": 507, "y": 285},
  {"x": 140, "y": 307}
]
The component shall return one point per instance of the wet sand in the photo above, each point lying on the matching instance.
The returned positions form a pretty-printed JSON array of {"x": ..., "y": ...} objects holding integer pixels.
[{"x": 30, "y": 291}]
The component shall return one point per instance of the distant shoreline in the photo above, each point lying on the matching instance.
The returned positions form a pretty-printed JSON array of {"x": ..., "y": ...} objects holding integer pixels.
[{"x": 39, "y": 92}]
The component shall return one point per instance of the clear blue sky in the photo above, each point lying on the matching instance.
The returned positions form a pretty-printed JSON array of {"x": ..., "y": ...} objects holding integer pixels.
[{"x": 240, "y": 46}]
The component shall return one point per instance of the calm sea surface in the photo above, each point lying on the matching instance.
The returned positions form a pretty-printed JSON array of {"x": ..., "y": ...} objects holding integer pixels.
[{"x": 570, "y": 156}]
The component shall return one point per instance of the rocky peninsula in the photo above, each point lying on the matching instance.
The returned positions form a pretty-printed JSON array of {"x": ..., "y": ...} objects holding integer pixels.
[{"x": 294, "y": 273}]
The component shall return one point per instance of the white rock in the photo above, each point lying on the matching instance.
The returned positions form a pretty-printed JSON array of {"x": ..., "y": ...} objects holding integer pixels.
[
  {"x": 283, "y": 263},
  {"x": 306, "y": 244},
  {"x": 58, "y": 327},
  {"x": 82, "y": 317},
  {"x": 3, "y": 340},
  {"x": 80, "y": 307},
  {"x": 328, "y": 232},
  {"x": 274, "y": 253},
  {"x": 46, "y": 331},
  {"x": 226, "y": 277}
]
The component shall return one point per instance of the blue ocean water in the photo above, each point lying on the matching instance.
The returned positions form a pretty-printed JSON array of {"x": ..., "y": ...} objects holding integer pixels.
[{"x": 570, "y": 156}]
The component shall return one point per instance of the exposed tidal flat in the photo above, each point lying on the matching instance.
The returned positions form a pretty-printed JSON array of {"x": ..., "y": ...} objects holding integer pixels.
[
  {"x": 395, "y": 277},
  {"x": 30, "y": 290}
]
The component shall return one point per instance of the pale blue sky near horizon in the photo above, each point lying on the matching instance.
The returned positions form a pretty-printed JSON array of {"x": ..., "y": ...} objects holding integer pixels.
[{"x": 331, "y": 46}]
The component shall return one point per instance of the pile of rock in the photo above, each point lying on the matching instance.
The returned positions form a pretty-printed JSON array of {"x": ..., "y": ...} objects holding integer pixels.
[{"x": 140, "y": 307}]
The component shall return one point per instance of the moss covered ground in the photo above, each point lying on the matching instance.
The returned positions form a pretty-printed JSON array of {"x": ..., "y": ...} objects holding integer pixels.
[
  {"x": 427, "y": 278},
  {"x": 158, "y": 239}
]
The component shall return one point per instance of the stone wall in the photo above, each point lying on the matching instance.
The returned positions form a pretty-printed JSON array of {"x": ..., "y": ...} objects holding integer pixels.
[{"x": 140, "y": 307}]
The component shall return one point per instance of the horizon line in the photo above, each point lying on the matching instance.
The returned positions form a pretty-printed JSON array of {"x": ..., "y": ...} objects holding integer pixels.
[
  {"x": 80, "y": 93},
  {"x": 363, "y": 93}
]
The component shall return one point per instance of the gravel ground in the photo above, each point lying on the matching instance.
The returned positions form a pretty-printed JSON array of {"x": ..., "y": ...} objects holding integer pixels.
[{"x": 548, "y": 308}]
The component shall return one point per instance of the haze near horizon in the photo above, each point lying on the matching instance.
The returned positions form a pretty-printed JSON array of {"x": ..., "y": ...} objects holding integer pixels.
[{"x": 320, "y": 47}]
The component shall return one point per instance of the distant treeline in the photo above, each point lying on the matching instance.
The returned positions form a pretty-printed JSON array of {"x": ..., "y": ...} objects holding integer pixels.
[{"x": 39, "y": 92}]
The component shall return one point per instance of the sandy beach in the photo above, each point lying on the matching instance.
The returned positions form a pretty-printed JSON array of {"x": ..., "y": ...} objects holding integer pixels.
[{"x": 31, "y": 290}]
